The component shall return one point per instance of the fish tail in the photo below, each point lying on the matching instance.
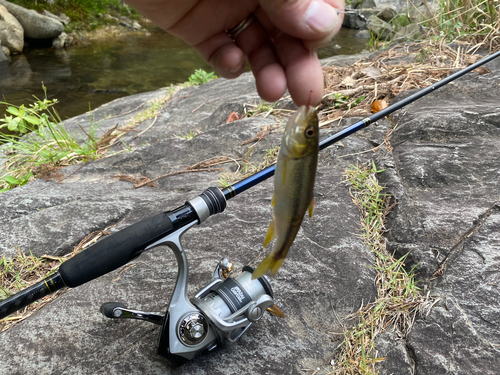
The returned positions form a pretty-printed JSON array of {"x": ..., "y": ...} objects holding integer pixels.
[{"x": 269, "y": 264}]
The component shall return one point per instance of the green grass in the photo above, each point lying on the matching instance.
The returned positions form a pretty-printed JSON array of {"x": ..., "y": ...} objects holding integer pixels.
[
  {"x": 47, "y": 146},
  {"x": 263, "y": 107},
  {"x": 84, "y": 14},
  {"x": 35, "y": 142},
  {"x": 200, "y": 76},
  {"x": 398, "y": 300},
  {"x": 22, "y": 270},
  {"x": 343, "y": 102},
  {"x": 246, "y": 168},
  {"x": 473, "y": 21},
  {"x": 79, "y": 10},
  {"x": 188, "y": 136}
]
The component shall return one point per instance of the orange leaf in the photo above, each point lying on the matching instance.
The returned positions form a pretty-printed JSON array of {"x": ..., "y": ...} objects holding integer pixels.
[
  {"x": 233, "y": 116},
  {"x": 379, "y": 105}
]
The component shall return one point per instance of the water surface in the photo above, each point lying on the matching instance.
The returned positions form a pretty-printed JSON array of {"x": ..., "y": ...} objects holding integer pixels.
[{"x": 91, "y": 74}]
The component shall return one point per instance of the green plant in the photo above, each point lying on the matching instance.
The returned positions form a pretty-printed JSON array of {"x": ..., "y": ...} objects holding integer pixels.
[
  {"x": 340, "y": 101},
  {"x": 40, "y": 143},
  {"x": 188, "y": 136},
  {"x": 225, "y": 181},
  {"x": 400, "y": 20},
  {"x": 257, "y": 109},
  {"x": 376, "y": 43},
  {"x": 200, "y": 77},
  {"x": 474, "y": 21},
  {"x": 20, "y": 271},
  {"x": 398, "y": 300}
]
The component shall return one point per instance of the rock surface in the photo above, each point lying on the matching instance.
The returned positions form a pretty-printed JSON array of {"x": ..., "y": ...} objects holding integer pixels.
[
  {"x": 328, "y": 277},
  {"x": 35, "y": 25},
  {"x": 381, "y": 29},
  {"x": 445, "y": 174},
  {"x": 412, "y": 32},
  {"x": 443, "y": 171},
  {"x": 11, "y": 31},
  {"x": 60, "y": 41},
  {"x": 3, "y": 56}
]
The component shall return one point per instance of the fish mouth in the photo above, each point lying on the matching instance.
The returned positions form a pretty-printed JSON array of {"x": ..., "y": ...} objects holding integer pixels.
[
  {"x": 306, "y": 114},
  {"x": 309, "y": 113}
]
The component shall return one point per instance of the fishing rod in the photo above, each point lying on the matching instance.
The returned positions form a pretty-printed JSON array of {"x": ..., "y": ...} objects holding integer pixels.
[
  {"x": 264, "y": 174},
  {"x": 189, "y": 325}
]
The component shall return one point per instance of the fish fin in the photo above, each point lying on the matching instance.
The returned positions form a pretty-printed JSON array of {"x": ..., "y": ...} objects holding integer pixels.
[
  {"x": 268, "y": 264},
  {"x": 310, "y": 210},
  {"x": 270, "y": 234},
  {"x": 273, "y": 200},
  {"x": 276, "y": 265}
]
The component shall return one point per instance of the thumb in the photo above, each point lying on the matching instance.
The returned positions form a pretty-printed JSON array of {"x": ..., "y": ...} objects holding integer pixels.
[{"x": 314, "y": 21}]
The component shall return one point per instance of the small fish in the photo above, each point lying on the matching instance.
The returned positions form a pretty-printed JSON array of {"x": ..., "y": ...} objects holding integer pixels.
[{"x": 293, "y": 186}]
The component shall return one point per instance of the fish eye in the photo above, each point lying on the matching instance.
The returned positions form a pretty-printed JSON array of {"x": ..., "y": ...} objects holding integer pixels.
[{"x": 310, "y": 132}]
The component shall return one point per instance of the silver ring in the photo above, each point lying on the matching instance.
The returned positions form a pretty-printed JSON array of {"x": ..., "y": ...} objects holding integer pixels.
[{"x": 235, "y": 31}]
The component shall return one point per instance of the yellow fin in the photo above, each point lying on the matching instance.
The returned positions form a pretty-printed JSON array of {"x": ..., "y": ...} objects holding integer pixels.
[
  {"x": 273, "y": 200},
  {"x": 310, "y": 210},
  {"x": 270, "y": 234},
  {"x": 268, "y": 264}
]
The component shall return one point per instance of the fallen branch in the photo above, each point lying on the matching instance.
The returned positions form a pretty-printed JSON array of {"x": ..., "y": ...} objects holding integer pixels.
[{"x": 174, "y": 173}]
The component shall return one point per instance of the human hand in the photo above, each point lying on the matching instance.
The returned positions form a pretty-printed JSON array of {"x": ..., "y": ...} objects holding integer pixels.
[{"x": 279, "y": 43}]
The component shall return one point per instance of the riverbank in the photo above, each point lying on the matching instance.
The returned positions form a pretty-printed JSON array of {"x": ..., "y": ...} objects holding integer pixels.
[
  {"x": 114, "y": 31},
  {"x": 436, "y": 157}
]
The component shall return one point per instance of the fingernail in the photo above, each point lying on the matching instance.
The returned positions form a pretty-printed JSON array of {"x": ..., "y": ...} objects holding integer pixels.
[{"x": 321, "y": 17}]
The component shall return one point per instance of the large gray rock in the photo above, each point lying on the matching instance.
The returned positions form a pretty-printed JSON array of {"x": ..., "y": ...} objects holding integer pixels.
[
  {"x": 411, "y": 32},
  {"x": 443, "y": 171},
  {"x": 64, "y": 19},
  {"x": 445, "y": 175},
  {"x": 36, "y": 26},
  {"x": 381, "y": 29},
  {"x": 387, "y": 13},
  {"x": 398, "y": 5},
  {"x": 11, "y": 31},
  {"x": 327, "y": 275}
]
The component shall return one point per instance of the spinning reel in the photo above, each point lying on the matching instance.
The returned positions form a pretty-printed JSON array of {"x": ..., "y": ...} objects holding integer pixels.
[{"x": 218, "y": 314}]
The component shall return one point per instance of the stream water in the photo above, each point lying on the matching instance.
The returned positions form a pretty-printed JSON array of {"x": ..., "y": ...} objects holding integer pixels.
[{"x": 89, "y": 75}]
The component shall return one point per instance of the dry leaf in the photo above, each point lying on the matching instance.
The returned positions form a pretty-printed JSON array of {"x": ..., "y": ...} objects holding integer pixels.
[
  {"x": 379, "y": 105},
  {"x": 482, "y": 70},
  {"x": 233, "y": 116},
  {"x": 348, "y": 82},
  {"x": 372, "y": 72}
]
